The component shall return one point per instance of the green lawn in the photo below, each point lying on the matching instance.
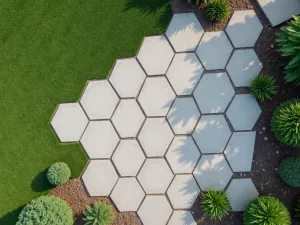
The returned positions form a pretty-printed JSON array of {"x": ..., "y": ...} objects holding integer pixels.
[{"x": 48, "y": 50}]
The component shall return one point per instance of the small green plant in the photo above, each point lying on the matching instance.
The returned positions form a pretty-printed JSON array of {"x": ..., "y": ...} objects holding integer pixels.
[
  {"x": 285, "y": 123},
  {"x": 217, "y": 10},
  {"x": 262, "y": 87},
  {"x": 215, "y": 204},
  {"x": 266, "y": 210},
  {"x": 197, "y": 2},
  {"x": 289, "y": 171},
  {"x": 58, "y": 173},
  {"x": 99, "y": 214},
  {"x": 297, "y": 209}
]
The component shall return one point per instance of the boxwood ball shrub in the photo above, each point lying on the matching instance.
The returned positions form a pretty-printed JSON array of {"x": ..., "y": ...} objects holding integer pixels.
[
  {"x": 58, "y": 173},
  {"x": 289, "y": 171},
  {"x": 217, "y": 10},
  {"x": 46, "y": 210},
  {"x": 262, "y": 87},
  {"x": 99, "y": 214},
  {"x": 285, "y": 123}
]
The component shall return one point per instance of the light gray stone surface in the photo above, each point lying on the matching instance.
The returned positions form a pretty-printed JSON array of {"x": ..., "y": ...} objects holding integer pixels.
[{"x": 181, "y": 217}]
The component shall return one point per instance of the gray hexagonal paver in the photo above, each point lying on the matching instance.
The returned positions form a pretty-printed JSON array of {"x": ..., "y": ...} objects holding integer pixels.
[
  {"x": 240, "y": 192},
  {"x": 128, "y": 158},
  {"x": 155, "y": 55},
  {"x": 213, "y": 93},
  {"x": 155, "y": 176},
  {"x": 239, "y": 151},
  {"x": 212, "y": 133},
  {"x": 184, "y": 32},
  {"x": 127, "y": 77},
  {"x": 243, "y": 67},
  {"x": 183, "y": 191},
  {"x": 214, "y": 50},
  {"x": 244, "y": 28},
  {"x": 181, "y": 217},
  {"x": 155, "y": 137},
  {"x": 127, "y": 194},
  {"x": 99, "y": 100},
  {"x": 212, "y": 172},
  {"x": 183, "y": 115},
  {"x": 183, "y": 154},
  {"x": 69, "y": 122},
  {"x": 99, "y": 178},
  {"x": 243, "y": 112},
  {"x": 189, "y": 65},
  {"x": 156, "y": 96},
  {"x": 128, "y": 118}
]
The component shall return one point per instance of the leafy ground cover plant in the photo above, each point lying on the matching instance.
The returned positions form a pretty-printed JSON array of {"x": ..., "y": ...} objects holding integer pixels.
[
  {"x": 289, "y": 171},
  {"x": 263, "y": 87},
  {"x": 217, "y": 10},
  {"x": 58, "y": 173},
  {"x": 99, "y": 214}
]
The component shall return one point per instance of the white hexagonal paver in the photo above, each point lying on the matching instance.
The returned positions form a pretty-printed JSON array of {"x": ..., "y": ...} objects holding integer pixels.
[
  {"x": 243, "y": 67},
  {"x": 127, "y": 77},
  {"x": 213, "y": 93},
  {"x": 99, "y": 139},
  {"x": 240, "y": 192},
  {"x": 180, "y": 217},
  {"x": 155, "y": 210},
  {"x": 212, "y": 133},
  {"x": 127, "y": 194},
  {"x": 212, "y": 172},
  {"x": 155, "y": 176},
  {"x": 69, "y": 122},
  {"x": 244, "y": 28},
  {"x": 155, "y": 137},
  {"x": 99, "y": 178},
  {"x": 183, "y": 191},
  {"x": 184, "y": 32},
  {"x": 183, "y": 154},
  {"x": 128, "y": 118},
  {"x": 128, "y": 158},
  {"x": 214, "y": 50},
  {"x": 155, "y": 55},
  {"x": 239, "y": 151},
  {"x": 184, "y": 73},
  {"x": 156, "y": 96},
  {"x": 243, "y": 112}
]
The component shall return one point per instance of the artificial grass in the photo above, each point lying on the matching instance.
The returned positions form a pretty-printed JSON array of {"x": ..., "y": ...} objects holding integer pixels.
[{"x": 48, "y": 50}]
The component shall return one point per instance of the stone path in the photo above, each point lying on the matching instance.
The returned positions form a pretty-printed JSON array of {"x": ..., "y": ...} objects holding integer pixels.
[{"x": 168, "y": 123}]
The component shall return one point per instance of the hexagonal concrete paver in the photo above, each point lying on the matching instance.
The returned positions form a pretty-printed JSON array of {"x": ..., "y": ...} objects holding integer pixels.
[
  {"x": 155, "y": 55},
  {"x": 244, "y": 28},
  {"x": 239, "y": 151},
  {"x": 243, "y": 112},
  {"x": 127, "y": 194},
  {"x": 213, "y": 93},
  {"x": 128, "y": 157},
  {"x": 181, "y": 217},
  {"x": 183, "y": 115},
  {"x": 183, "y": 191},
  {"x": 156, "y": 96},
  {"x": 212, "y": 172},
  {"x": 127, "y": 77},
  {"x": 212, "y": 133},
  {"x": 155, "y": 210},
  {"x": 240, "y": 192},
  {"x": 184, "y": 32},
  {"x": 214, "y": 50},
  {"x": 155, "y": 176},
  {"x": 99, "y": 178},
  {"x": 189, "y": 65},
  {"x": 243, "y": 67},
  {"x": 128, "y": 118},
  {"x": 69, "y": 122},
  {"x": 183, "y": 154},
  {"x": 155, "y": 137},
  {"x": 99, "y": 100}
]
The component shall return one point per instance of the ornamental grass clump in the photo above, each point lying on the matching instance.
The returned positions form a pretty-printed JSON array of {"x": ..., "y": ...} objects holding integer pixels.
[
  {"x": 217, "y": 10},
  {"x": 197, "y": 2},
  {"x": 262, "y": 87},
  {"x": 58, "y": 173},
  {"x": 289, "y": 171},
  {"x": 99, "y": 214},
  {"x": 297, "y": 209}
]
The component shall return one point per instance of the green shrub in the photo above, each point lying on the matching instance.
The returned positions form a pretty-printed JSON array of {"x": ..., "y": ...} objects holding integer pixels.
[
  {"x": 266, "y": 210},
  {"x": 289, "y": 42},
  {"x": 285, "y": 123},
  {"x": 217, "y": 10},
  {"x": 197, "y": 2},
  {"x": 215, "y": 204},
  {"x": 262, "y": 87},
  {"x": 289, "y": 171},
  {"x": 46, "y": 210},
  {"x": 58, "y": 173},
  {"x": 99, "y": 214}
]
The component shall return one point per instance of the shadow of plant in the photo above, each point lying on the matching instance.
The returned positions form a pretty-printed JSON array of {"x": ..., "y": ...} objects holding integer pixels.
[{"x": 40, "y": 183}]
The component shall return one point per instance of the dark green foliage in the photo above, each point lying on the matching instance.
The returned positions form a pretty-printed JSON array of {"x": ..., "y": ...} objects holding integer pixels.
[
  {"x": 58, "y": 173},
  {"x": 289, "y": 171},
  {"x": 46, "y": 210},
  {"x": 262, "y": 87},
  {"x": 266, "y": 210},
  {"x": 297, "y": 209},
  {"x": 217, "y": 10},
  {"x": 197, "y": 2},
  {"x": 285, "y": 123},
  {"x": 99, "y": 214}
]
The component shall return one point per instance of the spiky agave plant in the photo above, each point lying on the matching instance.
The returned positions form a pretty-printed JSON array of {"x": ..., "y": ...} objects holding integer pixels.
[
  {"x": 99, "y": 214},
  {"x": 262, "y": 87},
  {"x": 217, "y": 10}
]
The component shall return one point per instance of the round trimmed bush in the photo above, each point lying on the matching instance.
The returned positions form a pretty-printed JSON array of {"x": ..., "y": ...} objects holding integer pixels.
[
  {"x": 46, "y": 210},
  {"x": 99, "y": 214},
  {"x": 285, "y": 123},
  {"x": 289, "y": 171},
  {"x": 266, "y": 210},
  {"x": 217, "y": 10},
  {"x": 58, "y": 173},
  {"x": 262, "y": 87}
]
